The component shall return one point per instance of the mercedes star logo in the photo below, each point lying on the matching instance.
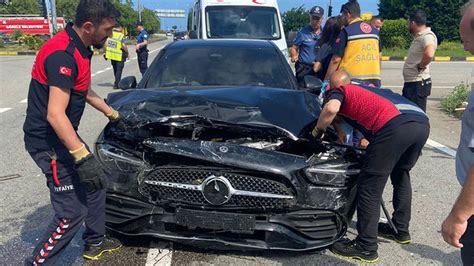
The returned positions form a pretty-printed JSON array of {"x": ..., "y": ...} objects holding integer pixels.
[{"x": 216, "y": 190}]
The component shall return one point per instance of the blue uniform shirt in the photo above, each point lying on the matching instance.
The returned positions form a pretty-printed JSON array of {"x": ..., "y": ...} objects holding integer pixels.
[
  {"x": 465, "y": 152},
  {"x": 142, "y": 36},
  {"x": 307, "y": 41}
]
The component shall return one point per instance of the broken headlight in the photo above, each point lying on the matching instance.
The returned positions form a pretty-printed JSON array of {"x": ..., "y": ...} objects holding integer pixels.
[
  {"x": 118, "y": 160},
  {"x": 330, "y": 170}
]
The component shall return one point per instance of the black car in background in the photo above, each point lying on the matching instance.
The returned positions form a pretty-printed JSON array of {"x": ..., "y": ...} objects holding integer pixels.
[
  {"x": 180, "y": 35},
  {"x": 213, "y": 152}
]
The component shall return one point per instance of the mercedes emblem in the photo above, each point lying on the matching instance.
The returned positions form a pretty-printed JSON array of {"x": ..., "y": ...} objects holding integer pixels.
[{"x": 216, "y": 190}]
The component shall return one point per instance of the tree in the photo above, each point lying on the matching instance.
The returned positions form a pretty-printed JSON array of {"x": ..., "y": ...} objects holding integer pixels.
[
  {"x": 294, "y": 19},
  {"x": 150, "y": 21},
  {"x": 443, "y": 15},
  {"x": 67, "y": 9},
  {"x": 174, "y": 27},
  {"x": 22, "y": 7}
]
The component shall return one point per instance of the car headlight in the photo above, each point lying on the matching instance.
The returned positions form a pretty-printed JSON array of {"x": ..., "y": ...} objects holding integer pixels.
[
  {"x": 118, "y": 160},
  {"x": 331, "y": 174}
]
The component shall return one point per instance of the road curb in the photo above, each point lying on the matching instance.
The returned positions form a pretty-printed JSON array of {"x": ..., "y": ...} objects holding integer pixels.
[{"x": 437, "y": 58}]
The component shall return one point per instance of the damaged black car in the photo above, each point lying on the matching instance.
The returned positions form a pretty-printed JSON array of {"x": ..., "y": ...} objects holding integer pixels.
[{"x": 220, "y": 156}]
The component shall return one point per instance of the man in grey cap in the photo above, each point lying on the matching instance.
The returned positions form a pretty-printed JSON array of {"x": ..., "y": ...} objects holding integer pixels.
[{"x": 305, "y": 47}]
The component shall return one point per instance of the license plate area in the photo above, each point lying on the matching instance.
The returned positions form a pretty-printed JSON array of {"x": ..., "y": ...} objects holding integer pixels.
[{"x": 236, "y": 223}]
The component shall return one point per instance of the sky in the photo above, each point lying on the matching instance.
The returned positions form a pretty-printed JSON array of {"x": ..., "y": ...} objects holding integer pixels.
[{"x": 167, "y": 23}]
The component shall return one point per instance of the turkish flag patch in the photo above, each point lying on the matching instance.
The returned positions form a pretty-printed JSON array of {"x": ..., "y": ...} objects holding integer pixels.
[
  {"x": 366, "y": 28},
  {"x": 65, "y": 71},
  {"x": 338, "y": 40}
]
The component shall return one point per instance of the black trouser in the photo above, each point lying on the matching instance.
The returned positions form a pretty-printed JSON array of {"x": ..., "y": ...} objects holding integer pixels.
[
  {"x": 142, "y": 60},
  {"x": 390, "y": 153},
  {"x": 418, "y": 92},
  {"x": 118, "y": 68},
  {"x": 72, "y": 207},
  {"x": 302, "y": 70},
  {"x": 467, "y": 252}
]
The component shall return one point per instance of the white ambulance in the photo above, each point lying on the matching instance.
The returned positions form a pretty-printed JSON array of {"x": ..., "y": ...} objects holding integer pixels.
[{"x": 238, "y": 19}]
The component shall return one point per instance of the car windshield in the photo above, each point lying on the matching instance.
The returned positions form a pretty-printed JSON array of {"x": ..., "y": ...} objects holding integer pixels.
[
  {"x": 219, "y": 66},
  {"x": 239, "y": 22}
]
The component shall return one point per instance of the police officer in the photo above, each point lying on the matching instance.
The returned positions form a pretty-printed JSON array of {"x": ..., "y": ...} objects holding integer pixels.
[
  {"x": 458, "y": 228},
  {"x": 141, "y": 48},
  {"x": 304, "y": 50},
  {"x": 384, "y": 118},
  {"x": 59, "y": 89},
  {"x": 357, "y": 48},
  {"x": 117, "y": 52}
]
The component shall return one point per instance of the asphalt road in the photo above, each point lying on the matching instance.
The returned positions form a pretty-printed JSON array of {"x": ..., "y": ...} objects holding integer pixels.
[{"x": 25, "y": 210}]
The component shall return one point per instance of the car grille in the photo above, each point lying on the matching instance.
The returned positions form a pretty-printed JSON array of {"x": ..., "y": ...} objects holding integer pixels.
[{"x": 181, "y": 185}]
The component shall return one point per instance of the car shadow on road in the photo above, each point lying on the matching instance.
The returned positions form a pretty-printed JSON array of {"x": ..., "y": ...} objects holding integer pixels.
[
  {"x": 107, "y": 84},
  {"x": 431, "y": 253}
]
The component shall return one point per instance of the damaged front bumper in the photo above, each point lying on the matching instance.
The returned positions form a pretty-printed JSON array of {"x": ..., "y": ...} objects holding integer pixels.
[{"x": 275, "y": 200}]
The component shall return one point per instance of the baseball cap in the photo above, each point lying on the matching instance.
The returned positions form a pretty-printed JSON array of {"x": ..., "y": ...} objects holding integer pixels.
[{"x": 316, "y": 11}]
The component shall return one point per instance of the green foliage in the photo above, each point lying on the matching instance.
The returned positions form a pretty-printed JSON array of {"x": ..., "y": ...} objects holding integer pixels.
[
  {"x": 2, "y": 44},
  {"x": 443, "y": 16},
  {"x": 67, "y": 9},
  {"x": 395, "y": 33},
  {"x": 456, "y": 98},
  {"x": 150, "y": 21},
  {"x": 129, "y": 16},
  {"x": 16, "y": 35},
  {"x": 295, "y": 18},
  {"x": 22, "y": 7},
  {"x": 33, "y": 42},
  {"x": 449, "y": 46}
]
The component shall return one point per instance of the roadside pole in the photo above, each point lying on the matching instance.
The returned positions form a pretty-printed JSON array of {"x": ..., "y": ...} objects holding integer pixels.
[{"x": 53, "y": 16}]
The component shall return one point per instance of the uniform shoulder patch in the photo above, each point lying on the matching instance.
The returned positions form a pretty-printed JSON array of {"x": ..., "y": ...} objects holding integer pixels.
[
  {"x": 338, "y": 40},
  {"x": 365, "y": 27},
  {"x": 65, "y": 71}
]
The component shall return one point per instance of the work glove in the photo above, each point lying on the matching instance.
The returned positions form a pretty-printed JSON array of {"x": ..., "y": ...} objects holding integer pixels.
[
  {"x": 90, "y": 173},
  {"x": 318, "y": 133},
  {"x": 114, "y": 115}
]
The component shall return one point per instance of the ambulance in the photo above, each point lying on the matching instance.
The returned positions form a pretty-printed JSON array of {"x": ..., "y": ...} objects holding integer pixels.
[{"x": 238, "y": 19}]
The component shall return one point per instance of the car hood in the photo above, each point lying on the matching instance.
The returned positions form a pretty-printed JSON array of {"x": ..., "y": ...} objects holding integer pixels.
[{"x": 285, "y": 112}]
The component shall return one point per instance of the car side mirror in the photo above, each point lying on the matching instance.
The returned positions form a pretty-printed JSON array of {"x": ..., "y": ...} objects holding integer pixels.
[
  {"x": 193, "y": 35},
  {"x": 127, "y": 83},
  {"x": 312, "y": 84}
]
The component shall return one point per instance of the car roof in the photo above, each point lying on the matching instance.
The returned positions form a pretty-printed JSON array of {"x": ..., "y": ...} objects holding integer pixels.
[{"x": 195, "y": 43}]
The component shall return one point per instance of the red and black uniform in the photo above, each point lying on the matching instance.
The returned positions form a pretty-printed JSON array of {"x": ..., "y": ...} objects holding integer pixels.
[
  {"x": 64, "y": 62},
  {"x": 397, "y": 130}
]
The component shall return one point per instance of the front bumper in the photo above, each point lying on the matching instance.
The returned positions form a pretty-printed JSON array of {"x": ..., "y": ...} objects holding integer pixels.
[{"x": 295, "y": 230}]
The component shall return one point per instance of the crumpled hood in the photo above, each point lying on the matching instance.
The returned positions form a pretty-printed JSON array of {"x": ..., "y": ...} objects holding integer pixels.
[{"x": 288, "y": 111}]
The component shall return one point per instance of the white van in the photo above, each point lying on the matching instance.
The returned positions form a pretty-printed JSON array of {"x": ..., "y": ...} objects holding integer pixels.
[{"x": 237, "y": 19}]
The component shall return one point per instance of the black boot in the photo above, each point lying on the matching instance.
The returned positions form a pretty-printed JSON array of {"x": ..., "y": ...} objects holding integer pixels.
[
  {"x": 95, "y": 251},
  {"x": 386, "y": 231},
  {"x": 351, "y": 250}
]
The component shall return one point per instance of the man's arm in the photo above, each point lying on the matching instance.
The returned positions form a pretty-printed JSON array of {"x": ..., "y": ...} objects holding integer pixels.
[
  {"x": 338, "y": 50},
  {"x": 329, "y": 112},
  {"x": 455, "y": 225},
  {"x": 428, "y": 56},
  {"x": 98, "y": 103},
  {"x": 57, "y": 118},
  {"x": 145, "y": 42}
]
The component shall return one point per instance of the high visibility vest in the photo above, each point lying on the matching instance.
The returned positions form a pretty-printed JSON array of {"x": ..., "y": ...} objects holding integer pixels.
[
  {"x": 361, "y": 56},
  {"x": 114, "y": 47}
]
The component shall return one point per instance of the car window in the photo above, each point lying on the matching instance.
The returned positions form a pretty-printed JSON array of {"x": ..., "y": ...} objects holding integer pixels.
[
  {"x": 222, "y": 66},
  {"x": 240, "y": 22}
]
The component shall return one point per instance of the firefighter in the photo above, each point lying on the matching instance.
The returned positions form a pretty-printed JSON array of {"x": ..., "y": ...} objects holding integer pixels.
[
  {"x": 357, "y": 48},
  {"x": 384, "y": 118},
  {"x": 141, "y": 48},
  {"x": 59, "y": 88},
  {"x": 117, "y": 52}
]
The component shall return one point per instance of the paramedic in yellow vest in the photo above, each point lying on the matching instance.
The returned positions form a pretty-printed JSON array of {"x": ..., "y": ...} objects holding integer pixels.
[
  {"x": 357, "y": 49},
  {"x": 117, "y": 52}
]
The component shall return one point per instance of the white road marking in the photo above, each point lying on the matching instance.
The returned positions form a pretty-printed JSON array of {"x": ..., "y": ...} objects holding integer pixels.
[
  {"x": 440, "y": 147},
  {"x": 24, "y": 101},
  {"x": 160, "y": 255},
  {"x": 3, "y": 110}
]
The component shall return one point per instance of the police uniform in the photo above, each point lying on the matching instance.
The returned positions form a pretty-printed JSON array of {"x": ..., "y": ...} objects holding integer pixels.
[
  {"x": 384, "y": 118},
  {"x": 307, "y": 41},
  {"x": 142, "y": 53},
  {"x": 359, "y": 47},
  {"x": 117, "y": 56},
  {"x": 64, "y": 62}
]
